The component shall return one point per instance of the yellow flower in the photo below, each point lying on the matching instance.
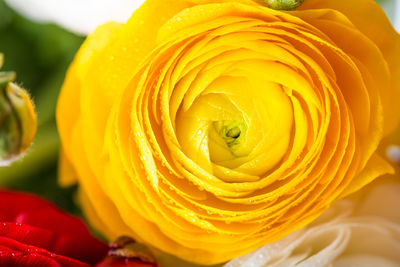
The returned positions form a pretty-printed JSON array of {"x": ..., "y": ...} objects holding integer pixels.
[{"x": 210, "y": 128}]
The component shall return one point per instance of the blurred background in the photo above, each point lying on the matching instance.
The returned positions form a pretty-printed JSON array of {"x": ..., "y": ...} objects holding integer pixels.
[{"x": 40, "y": 55}]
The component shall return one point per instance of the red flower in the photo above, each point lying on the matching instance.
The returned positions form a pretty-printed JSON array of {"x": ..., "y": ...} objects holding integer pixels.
[
  {"x": 124, "y": 262},
  {"x": 34, "y": 232}
]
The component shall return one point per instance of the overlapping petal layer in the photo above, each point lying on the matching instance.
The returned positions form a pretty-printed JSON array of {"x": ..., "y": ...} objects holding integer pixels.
[{"x": 230, "y": 124}]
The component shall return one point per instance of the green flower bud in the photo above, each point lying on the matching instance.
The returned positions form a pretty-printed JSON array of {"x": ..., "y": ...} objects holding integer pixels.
[
  {"x": 283, "y": 4},
  {"x": 17, "y": 118}
]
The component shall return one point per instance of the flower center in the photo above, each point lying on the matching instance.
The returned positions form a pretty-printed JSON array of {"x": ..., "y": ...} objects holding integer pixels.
[
  {"x": 233, "y": 132},
  {"x": 230, "y": 131},
  {"x": 239, "y": 123}
]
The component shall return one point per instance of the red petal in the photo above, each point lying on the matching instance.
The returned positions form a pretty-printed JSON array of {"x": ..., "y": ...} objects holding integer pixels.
[
  {"x": 13, "y": 203},
  {"x": 123, "y": 262},
  {"x": 18, "y": 259},
  {"x": 86, "y": 249},
  {"x": 53, "y": 219},
  {"x": 70, "y": 236},
  {"x": 26, "y": 234},
  {"x": 19, "y": 253}
]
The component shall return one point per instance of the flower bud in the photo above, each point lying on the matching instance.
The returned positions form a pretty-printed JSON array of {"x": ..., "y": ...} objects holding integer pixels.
[
  {"x": 283, "y": 4},
  {"x": 17, "y": 118},
  {"x": 127, "y": 252}
]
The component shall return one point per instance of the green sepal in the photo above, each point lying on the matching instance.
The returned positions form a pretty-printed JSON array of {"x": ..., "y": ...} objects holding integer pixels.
[{"x": 283, "y": 4}]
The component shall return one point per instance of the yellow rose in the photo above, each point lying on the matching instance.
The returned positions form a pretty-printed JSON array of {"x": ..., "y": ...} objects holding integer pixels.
[{"x": 210, "y": 128}]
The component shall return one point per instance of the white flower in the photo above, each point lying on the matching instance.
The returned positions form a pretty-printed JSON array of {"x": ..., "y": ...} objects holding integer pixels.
[
  {"x": 83, "y": 16},
  {"x": 358, "y": 232},
  {"x": 396, "y": 21},
  {"x": 79, "y": 16}
]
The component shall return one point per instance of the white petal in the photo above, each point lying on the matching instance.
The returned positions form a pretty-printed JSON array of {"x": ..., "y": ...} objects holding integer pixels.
[
  {"x": 397, "y": 16},
  {"x": 350, "y": 233},
  {"x": 79, "y": 16},
  {"x": 382, "y": 201},
  {"x": 364, "y": 261}
]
